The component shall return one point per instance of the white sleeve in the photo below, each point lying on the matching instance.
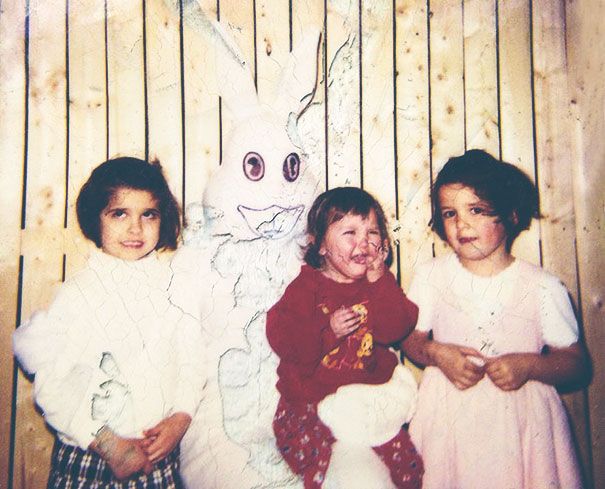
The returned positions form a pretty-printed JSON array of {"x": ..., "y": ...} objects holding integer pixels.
[
  {"x": 558, "y": 321},
  {"x": 62, "y": 386},
  {"x": 420, "y": 293}
]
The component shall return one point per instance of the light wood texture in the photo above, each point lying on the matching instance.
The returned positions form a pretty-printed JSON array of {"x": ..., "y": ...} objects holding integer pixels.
[
  {"x": 447, "y": 87},
  {"x": 202, "y": 127},
  {"x": 413, "y": 137},
  {"x": 12, "y": 147},
  {"x": 377, "y": 108},
  {"x": 87, "y": 115},
  {"x": 126, "y": 74},
  {"x": 587, "y": 64},
  {"x": 516, "y": 112},
  {"x": 554, "y": 149},
  {"x": 164, "y": 107},
  {"x": 342, "y": 98},
  {"x": 42, "y": 240}
]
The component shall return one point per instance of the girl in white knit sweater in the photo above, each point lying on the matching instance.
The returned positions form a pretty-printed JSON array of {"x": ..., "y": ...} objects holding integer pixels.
[{"x": 116, "y": 364}]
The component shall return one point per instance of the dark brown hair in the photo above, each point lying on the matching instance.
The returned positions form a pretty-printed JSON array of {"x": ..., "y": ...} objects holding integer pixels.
[
  {"x": 332, "y": 206},
  {"x": 136, "y": 174},
  {"x": 508, "y": 190}
]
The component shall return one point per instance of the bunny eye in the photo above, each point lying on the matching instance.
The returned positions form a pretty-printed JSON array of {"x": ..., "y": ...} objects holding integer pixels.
[
  {"x": 254, "y": 166},
  {"x": 291, "y": 167}
]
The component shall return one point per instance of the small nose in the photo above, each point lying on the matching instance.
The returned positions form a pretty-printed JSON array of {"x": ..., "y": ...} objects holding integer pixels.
[
  {"x": 135, "y": 225},
  {"x": 364, "y": 243},
  {"x": 461, "y": 222}
]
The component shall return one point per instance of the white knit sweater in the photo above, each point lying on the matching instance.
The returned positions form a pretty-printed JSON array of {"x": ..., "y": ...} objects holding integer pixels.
[{"x": 112, "y": 350}]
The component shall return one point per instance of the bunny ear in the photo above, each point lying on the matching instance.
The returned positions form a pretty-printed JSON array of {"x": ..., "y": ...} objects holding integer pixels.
[
  {"x": 299, "y": 77},
  {"x": 234, "y": 77}
]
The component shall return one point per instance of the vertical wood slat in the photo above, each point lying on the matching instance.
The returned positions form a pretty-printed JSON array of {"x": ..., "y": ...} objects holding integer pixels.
[
  {"x": 202, "y": 122},
  {"x": 164, "y": 106},
  {"x": 516, "y": 115},
  {"x": 272, "y": 45},
  {"x": 584, "y": 32},
  {"x": 12, "y": 147},
  {"x": 42, "y": 244},
  {"x": 126, "y": 75},
  {"x": 309, "y": 14},
  {"x": 342, "y": 99},
  {"x": 447, "y": 118},
  {"x": 554, "y": 152},
  {"x": 480, "y": 76},
  {"x": 412, "y": 137},
  {"x": 377, "y": 107},
  {"x": 238, "y": 18},
  {"x": 87, "y": 114}
]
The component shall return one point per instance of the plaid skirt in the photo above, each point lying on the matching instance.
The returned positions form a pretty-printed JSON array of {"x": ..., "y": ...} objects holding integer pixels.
[{"x": 74, "y": 468}]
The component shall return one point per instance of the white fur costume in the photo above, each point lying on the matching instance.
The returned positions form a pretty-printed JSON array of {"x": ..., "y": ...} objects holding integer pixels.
[{"x": 243, "y": 248}]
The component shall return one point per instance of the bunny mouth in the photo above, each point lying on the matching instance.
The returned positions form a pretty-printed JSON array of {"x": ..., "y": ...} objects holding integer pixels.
[{"x": 272, "y": 222}]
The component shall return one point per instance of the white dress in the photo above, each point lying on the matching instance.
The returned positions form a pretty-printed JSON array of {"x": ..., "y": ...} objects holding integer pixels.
[
  {"x": 112, "y": 350},
  {"x": 482, "y": 436}
]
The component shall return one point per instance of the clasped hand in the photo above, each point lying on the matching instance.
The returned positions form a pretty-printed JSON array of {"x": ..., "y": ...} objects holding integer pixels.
[
  {"x": 128, "y": 456},
  {"x": 465, "y": 366}
]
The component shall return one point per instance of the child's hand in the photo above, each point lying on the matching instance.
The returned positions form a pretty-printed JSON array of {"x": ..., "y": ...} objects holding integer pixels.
[
  {"x": 125, "y": 456},
  {"x": 510, "y": 372},
  {"x": 460, "y": 364},
  {"x": 344, "y": 321},
  {"x": 165, "y": 436},
  {"x": 376, "y": 259}
]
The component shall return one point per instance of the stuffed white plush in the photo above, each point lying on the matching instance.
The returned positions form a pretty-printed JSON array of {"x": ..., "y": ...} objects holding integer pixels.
[
  {"x": 362, "y": 416},
  {"x": 243, "y": 247}
]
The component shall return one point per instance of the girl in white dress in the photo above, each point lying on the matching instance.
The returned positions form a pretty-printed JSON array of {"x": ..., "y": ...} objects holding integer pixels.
[
  {"x": 495, "y": 334},
  {"x": 116, "y": 364}
]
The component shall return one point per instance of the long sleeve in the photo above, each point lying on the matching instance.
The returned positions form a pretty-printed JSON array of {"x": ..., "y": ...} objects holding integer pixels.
[
  {"x": 296, "y": 332},
  {"x": 393, "y": 315},
  {"x": 62, "y": 384}
]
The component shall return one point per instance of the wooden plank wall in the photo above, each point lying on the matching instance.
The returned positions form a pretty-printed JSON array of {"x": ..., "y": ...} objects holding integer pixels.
[{"x": 404, "y": 84}]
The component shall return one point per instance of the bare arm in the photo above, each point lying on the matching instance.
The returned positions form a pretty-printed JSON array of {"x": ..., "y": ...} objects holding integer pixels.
[
  {"x": 555, "y": 367},
  {"x": 455, "y": 361}
]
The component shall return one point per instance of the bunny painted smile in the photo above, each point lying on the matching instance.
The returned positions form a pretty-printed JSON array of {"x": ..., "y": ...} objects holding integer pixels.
[{"x": 272, "y": 222}]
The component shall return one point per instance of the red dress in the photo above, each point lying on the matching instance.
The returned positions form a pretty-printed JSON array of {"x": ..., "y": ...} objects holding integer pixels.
[{"x": 314, "y": 363}]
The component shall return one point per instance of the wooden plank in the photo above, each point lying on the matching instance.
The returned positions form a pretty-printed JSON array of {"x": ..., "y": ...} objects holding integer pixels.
[
  {"x": 238, "y": 19},
  {"x": 12, "y": 144},
  {"x": 516, "y": 114},
  {"x": 447, "y": 86},
  {"x": 377, "y": 107},
  {"x": 87, "y": 115},
  {"x": 272, "y": 45},
  {"x": 413, "y": 150},
  {"x": 584, "y": 26},
  {"x": 126, "y": 75},
  {"x": 45, "y": 208},
  {"x": 481, "y": 76},
  {"x": 309, "y": 14},
  {"x": 164, "y": 114},
  {"x": 343, "y": 94},
  {"x": 202, "y": 118},
  {"x": 554, "y": 128}
]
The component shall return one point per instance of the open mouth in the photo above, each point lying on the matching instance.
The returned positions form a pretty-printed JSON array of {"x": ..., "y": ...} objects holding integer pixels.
[{"x": 272, "y": 222}]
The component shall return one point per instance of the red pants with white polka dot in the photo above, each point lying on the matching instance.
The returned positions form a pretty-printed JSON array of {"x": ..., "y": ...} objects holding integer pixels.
[{"x": 306, "y": 445}]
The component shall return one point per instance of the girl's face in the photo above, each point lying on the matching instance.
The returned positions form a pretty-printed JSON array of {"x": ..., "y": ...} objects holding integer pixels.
[
  {"x": 349, "y": 245},
  {"x": 473, "y": 230},
  {"x": 130, "y": 224}
]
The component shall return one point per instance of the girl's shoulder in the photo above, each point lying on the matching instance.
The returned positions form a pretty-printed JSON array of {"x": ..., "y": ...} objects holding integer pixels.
[
  {"x": 437, "y": 267},
  {"x": 537, "y": 276}
]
